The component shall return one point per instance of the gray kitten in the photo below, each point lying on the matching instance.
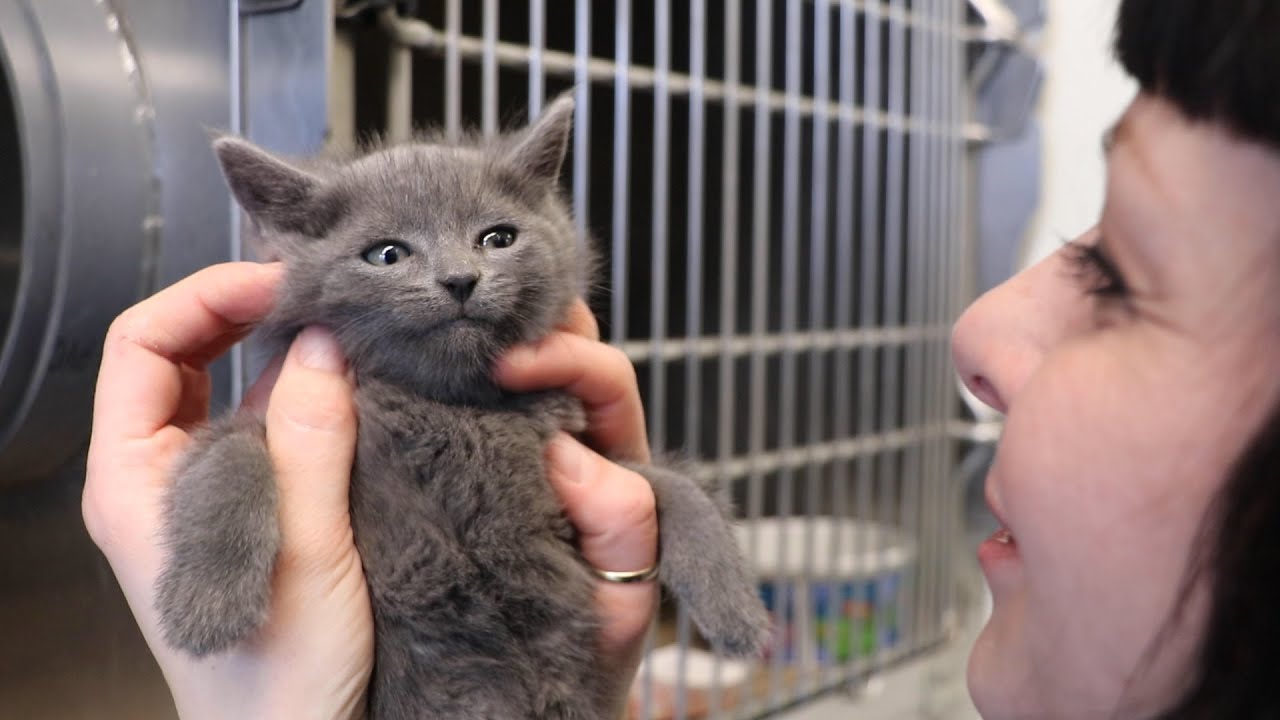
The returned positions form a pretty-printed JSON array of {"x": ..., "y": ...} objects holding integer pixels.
[{"x": 428, "y": 261}]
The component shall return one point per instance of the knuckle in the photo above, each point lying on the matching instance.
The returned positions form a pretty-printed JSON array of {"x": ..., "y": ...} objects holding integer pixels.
[
  {"x": 631, "y": 500},
  {"x": 120, "y": 328},
  {"x": 622, "y": 366}
]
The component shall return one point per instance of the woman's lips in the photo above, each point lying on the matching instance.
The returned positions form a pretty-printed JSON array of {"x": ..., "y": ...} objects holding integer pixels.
[
  {"x": 1001, "y": 548},
  {"x": 998, "y": 549}
]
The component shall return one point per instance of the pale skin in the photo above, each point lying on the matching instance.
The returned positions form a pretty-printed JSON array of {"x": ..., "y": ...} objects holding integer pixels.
[
  {"x": 1124, "y": 414},
  {"x": 314, "y": 656}
]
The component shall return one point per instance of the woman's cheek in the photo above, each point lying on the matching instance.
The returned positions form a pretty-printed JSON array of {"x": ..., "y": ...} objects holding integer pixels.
[{"x": 1103, "y": 492}]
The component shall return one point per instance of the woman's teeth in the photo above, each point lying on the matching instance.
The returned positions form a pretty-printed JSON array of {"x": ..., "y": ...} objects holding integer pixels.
[{"x": 1003, "y": 536}]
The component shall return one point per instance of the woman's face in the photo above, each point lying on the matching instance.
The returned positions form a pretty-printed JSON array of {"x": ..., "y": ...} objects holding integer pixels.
[{"x": 1131, "y": 375}]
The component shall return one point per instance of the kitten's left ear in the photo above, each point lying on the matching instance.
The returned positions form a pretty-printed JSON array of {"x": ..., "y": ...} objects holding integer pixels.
[{"x": 541, "y": 151}]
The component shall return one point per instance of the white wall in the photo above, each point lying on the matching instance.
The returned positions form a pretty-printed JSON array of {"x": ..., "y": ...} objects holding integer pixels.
[{"x": 1085, "y": 91}]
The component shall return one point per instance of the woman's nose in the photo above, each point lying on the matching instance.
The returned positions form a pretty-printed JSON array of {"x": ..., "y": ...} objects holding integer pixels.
[
  {"x": 1003, "y": 337},
  {"x": 973, "y": 349}
]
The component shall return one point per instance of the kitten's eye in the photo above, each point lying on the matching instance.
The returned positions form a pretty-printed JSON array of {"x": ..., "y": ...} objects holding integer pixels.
[
  {"x": 497, "y": 238},
  {"x": 386, "y": 252}
]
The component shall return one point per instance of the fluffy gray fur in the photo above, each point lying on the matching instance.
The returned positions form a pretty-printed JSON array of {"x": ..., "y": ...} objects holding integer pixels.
[{"x": 483, "y": 607}]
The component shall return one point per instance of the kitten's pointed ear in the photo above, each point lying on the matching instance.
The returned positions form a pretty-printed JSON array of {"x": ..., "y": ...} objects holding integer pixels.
[
  {"x": 272, "y": 191},
  {"x": 541, "y": 151}
]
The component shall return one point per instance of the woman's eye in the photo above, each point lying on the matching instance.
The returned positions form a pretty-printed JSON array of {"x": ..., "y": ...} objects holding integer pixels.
[
  {"x": 1097, "y": 272},
  {"x": 386, "y": 253},
  {"x": 498, "y": 238}
]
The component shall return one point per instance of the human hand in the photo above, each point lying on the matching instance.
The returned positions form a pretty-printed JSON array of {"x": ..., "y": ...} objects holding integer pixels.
[
  {"x": 613, "y": 508},
  {"x": 313, "y": 657}
]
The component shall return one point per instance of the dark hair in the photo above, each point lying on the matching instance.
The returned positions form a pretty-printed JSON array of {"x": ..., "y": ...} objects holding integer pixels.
[
  {"x": 1219, "y": 61},
  {"x": 1238, "y": 668}
]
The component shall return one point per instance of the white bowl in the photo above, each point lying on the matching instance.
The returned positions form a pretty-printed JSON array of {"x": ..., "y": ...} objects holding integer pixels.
[{"x": 823, "y": 548}]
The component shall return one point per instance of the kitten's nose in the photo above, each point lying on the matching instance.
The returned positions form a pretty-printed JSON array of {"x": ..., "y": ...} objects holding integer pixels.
[{"x": 460, "y": 285}]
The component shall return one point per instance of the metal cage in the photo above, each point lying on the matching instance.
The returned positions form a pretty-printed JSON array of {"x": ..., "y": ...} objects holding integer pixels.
[{"x": 779, "y": 188}]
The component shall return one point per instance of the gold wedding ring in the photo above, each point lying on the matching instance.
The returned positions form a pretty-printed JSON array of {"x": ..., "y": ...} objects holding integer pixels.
[{"x": 635, "y": 576}]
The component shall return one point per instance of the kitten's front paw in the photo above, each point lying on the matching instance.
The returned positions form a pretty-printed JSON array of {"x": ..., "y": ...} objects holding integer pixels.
[
  {"x": 221, "y": 538},
  {"x": 736, "y": 623},
  {"x": 703, "y": 565},
  {"x": 202, "y": 619}
]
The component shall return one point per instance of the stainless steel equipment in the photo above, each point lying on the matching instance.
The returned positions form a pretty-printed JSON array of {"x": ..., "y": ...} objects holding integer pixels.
[{"x": 108, "y": 191}]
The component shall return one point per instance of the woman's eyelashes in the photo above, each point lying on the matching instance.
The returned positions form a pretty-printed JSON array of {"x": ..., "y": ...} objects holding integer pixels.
[{"x": 1096, "y": 272}]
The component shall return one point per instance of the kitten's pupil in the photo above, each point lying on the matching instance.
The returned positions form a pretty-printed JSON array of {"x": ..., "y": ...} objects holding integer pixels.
[
  {"x": 386, "y": 253},
  {"x": 499, "y": 237}
]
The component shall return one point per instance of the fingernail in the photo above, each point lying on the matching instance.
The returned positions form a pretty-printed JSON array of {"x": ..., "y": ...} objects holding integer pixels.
[
  {"x": 317, "y": 349},
  {"x": 565, "y": 458}
]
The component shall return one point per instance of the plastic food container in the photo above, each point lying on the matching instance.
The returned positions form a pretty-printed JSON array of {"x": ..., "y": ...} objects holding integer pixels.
[
  {"x": 832, "y": 585},
  {"x": 708, "y": 684}
]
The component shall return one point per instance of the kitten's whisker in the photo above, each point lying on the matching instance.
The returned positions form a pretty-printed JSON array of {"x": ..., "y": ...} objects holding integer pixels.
[{"x": 356, "y": 349}]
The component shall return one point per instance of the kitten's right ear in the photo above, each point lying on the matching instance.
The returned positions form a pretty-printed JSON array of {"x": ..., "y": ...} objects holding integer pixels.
[{"x": 272, "y": 191}]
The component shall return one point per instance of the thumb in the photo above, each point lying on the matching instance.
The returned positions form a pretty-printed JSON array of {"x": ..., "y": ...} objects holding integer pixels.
[
  {"x": 612, "y": 507},
  {"x": 614, "y": 511},
  {"x": 311, "y": 435}
]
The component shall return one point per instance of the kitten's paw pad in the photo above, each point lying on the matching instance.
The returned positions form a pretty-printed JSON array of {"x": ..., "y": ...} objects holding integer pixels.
[{"x": 202, "y": 619}]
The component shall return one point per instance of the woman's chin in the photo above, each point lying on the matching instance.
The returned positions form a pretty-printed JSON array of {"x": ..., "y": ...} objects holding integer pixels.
[
  {"x": 997, "y": 683},
  {"x": 984, "y": 689}
]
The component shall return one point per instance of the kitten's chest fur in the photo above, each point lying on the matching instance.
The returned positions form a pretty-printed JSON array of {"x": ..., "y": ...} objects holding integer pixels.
[
  {"x": 477, "y": 473},
  {"x": 468, "y": 557}
]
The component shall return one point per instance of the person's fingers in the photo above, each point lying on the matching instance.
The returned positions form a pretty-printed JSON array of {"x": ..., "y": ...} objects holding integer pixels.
[
  {"x": 599, "y": 375},
  {"x": 615, "y": 514},
  {"x": 582, "y": 321},
  {"x": 613, "y": 508},
  {"x": 311, "y": 435},
  {"x": 141, "y": 383},
  {"x": 151, "y": 386}
]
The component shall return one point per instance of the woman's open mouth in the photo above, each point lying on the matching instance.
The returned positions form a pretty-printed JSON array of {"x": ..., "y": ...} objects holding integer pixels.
[
  {"x": 1001, "y": 546},
  {"x": 997, "y": 550}
]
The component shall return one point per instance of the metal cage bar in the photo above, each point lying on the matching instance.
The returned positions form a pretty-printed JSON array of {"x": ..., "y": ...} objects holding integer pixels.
[{"x": 729, "y": 220}]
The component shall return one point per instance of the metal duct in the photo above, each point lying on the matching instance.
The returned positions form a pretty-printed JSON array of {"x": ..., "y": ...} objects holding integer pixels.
[
  {"x": 80, "y": 213},
  {"x": 109, "y": 190}
]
